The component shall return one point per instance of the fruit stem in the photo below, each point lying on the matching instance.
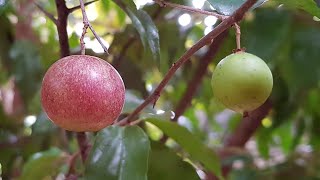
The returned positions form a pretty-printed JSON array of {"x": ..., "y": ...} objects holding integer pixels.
[
  {"x": 84, "y": 145},
  {"x": 238, "y": 37}
]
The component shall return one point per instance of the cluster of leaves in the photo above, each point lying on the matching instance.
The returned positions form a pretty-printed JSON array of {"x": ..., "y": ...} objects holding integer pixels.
[{"x": 144, "y": 44}]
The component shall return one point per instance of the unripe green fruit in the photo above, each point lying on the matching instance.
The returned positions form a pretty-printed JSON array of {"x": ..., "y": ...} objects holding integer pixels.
[
  {"x": 82, "y": 93},
  {"x": 242, "y": 82}
]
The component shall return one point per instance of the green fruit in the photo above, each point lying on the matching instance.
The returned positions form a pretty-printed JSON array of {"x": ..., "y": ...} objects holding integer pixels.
[{"x": 242, "y": 82}]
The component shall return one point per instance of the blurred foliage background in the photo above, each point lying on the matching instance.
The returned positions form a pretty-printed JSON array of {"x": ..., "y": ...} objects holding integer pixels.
[{"x": 287, "y": 37}]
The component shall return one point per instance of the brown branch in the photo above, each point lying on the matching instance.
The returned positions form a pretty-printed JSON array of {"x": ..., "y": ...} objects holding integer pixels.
[
  {"x": 86, "y": 25},
  {"x": 62, "y": 22},
  {"x": 248, "y": 126},
  {"x": 45, "y": 12},
  {"x": 79, "y": 6},
  {"x": 163, "y": 3},
  {"x": 72, "y": 161},
  {"x": 224, "y": 25}
]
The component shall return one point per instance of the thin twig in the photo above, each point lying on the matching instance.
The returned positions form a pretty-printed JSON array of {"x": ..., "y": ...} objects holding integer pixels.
[
  {"x": 224, "y": 25},
  {"x": 72, "y": 161},
  {"x": 79, "y": 6},
  {"x": 163, "y": 3},
  {"x": 238, "y": 36},
  {"x": 45, "y": 12},
  {"x": 87, "y": 24}
]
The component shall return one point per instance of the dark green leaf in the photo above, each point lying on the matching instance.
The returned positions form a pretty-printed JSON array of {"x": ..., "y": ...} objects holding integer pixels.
[
  {"x": 227, "y": 7},
  {"x": 307, "y": 5},
  {"x": 267, "y": 33},
  {"x": 26, "y": 68},
  {"x": 143, "y": 23},
  {"x": 190, "y": 144},
  {"x": 304, "y": 58},
  {"x": 119, "y": 153},
  {"x": 166, "y": 165},
  {"x": 43, "y": 164}
]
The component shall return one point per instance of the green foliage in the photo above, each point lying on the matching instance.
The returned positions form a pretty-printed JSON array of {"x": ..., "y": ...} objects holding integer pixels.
[
  {"x": 308, "y": 5},
  {"x": 164, "y": 164},
  {"x": 26, "y": 68},
  {"x": 143, "y": 23},
  {"x": 191, "y": 144},
  {"x": 43, "y": 164},
  {"x": 119, "y": 153}
]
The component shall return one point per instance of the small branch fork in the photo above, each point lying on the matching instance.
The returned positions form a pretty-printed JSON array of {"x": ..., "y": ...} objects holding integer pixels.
[
  {"x": 87, "y": 24},
  {"x": 224, "y": 25}
]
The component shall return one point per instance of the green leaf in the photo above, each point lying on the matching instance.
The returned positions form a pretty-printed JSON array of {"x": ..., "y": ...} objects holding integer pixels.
[
  {"x": 26, "y": 68},
  {"x": 119, "y": 153},
  {"x": 43, "y": 164},
  {"x": 196, "y": 149},
  {"x": 227, "y": 7},
  {"x": 309, "y": 6},
  {"x": 267, "y": 33},
  {"x": 164, "y": 164},
  {"x": 305, "y": 46},
  {"x": 143, "y": 23}
]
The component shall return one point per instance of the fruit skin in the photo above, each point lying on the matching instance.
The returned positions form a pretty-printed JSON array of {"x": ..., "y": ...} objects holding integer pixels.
[
  {"x": 242, "y": 82},
  {"x": 82, "y": 93}
]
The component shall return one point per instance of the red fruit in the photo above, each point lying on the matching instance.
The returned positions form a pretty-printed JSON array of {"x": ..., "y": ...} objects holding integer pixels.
[{"x": 82, "y": 93}]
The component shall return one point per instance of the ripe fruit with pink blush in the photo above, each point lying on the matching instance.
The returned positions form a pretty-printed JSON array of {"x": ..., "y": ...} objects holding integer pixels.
[{"x": 82, "y": 93}]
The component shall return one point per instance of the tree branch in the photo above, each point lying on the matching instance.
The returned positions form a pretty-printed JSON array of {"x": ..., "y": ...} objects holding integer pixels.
[
  {"x": 224, "y": 25},
  {"x": 62, "y": 22},
  {"x": 248, "y": 126},
  {"x": 49, "y": 15},
  {"x": 79, "y": 6},
  {"x": 163, "y": 3}
]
